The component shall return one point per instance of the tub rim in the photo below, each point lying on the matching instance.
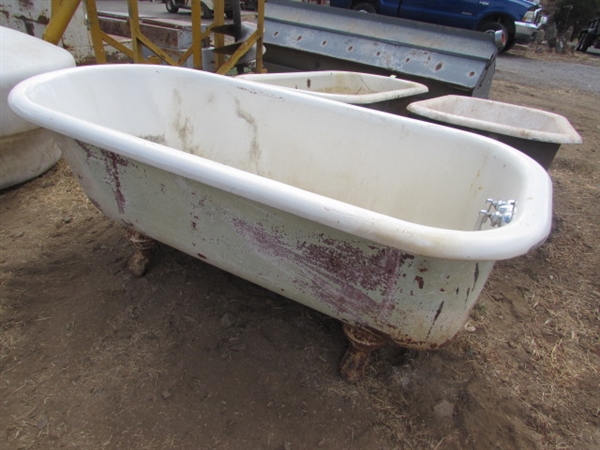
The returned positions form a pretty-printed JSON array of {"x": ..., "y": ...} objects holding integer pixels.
[
  {"x": 412, "y": 87},
  {"x": 427, "y": 109},
  {"x": 488, "y": 245}
]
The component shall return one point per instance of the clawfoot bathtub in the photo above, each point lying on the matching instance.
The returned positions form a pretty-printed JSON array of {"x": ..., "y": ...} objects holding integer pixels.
[{"x": 364, "y": 216}]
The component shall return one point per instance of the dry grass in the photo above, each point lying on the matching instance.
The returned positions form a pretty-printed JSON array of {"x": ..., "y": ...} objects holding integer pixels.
[{"x": 529, "y": 365}]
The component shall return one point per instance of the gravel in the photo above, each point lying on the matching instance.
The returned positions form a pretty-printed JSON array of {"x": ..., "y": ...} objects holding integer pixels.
[{"x": 555, "y": 74}]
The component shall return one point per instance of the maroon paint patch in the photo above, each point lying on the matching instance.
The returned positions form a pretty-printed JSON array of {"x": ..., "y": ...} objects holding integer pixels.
[{"x": 336, "y": 272}]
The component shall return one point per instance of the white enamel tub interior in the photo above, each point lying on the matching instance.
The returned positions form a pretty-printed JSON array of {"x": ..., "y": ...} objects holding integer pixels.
[
  {"x": 364, "y": 216},
  {"x": 348, "y": 87},
  {"x": 497, "y": 117},
  {"x": 536, "y": 133},
  {"x": 26, "y": 150}
]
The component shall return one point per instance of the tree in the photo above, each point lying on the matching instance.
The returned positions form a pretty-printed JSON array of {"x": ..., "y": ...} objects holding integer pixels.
[{"x": 575, "y": 13}]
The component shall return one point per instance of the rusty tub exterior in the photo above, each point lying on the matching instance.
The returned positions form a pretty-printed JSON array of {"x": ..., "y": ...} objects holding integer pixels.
[{"x": 374, "y": 231}]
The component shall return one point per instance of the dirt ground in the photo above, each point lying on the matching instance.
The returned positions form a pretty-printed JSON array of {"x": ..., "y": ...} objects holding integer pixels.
[{"x": 190, "y": 357}]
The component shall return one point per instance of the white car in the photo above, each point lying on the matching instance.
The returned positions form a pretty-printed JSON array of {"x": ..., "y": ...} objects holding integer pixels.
[{"x": 208, "y": 7}]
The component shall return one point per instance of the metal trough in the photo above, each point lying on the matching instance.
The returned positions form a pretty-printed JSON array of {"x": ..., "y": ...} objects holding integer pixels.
[{"x": 305, "y": 37}]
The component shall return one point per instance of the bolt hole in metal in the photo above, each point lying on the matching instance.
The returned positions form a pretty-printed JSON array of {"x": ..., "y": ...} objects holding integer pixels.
[{"x": 499, "y": 212}]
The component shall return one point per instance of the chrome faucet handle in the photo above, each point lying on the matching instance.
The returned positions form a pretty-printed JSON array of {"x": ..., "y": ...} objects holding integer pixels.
[{"x": 503, "y": 214}]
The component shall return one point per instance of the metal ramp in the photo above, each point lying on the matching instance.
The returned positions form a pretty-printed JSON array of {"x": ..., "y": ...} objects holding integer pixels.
[{"x": 301, "y": 36}]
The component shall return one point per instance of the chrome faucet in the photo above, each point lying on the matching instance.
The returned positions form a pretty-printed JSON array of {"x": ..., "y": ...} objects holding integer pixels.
[{"x": 502, "y": 213}]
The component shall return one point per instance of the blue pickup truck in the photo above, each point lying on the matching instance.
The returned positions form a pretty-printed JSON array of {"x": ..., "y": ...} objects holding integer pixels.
[{"x": 517, "y": 19}]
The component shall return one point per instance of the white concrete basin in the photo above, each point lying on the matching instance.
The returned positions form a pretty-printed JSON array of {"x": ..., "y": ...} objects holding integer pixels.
[{"x": 26, "y": 150}]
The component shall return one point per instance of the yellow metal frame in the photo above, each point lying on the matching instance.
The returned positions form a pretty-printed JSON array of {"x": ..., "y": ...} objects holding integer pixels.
[
  {"x": 255, "y": 38},
  {"x": 63, "y": 11}
]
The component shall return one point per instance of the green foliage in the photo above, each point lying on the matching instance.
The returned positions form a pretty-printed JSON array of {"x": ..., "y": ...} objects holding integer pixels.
[{"x": 577, "y": 13}]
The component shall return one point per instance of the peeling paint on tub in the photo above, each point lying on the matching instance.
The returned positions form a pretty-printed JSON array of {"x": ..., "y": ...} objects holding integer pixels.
[
  {"x": 343, "y": 274},
  {"x": 435, "y": 318},
  {"x": 357, "y": 281},
  {"x": 87, "y": 149},
  {"x": 420, "y": 281},
  {"x": 113, "y": 162},
  {"x": 475, "y": 275}
]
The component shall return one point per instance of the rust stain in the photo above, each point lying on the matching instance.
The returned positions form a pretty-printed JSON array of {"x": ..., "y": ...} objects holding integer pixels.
[
  {"x": 420, "y": 281},
  {"x": 43, "y": 20},
  {"x": 112, "y": 163},
  {"x": 408, "y": 342},
  {"x": 443, "y": 344},
  {"x": 356, "y": 360},
  {"x": 30, "y": 28}
]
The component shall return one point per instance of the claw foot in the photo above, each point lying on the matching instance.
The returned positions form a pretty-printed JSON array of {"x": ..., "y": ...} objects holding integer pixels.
[
  {"x": 356, "y": 360},
  {"x": 144, "y": 247}
]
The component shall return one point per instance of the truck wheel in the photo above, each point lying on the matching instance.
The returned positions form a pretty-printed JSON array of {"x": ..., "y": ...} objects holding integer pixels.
[
  {"x": 586, "y": 41},
  {"x": 365, "y": 7},
  {"x": 171, "y": 6},
  {"x": 497, "y": 26},
  {"x": 206, "y": 13}
]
